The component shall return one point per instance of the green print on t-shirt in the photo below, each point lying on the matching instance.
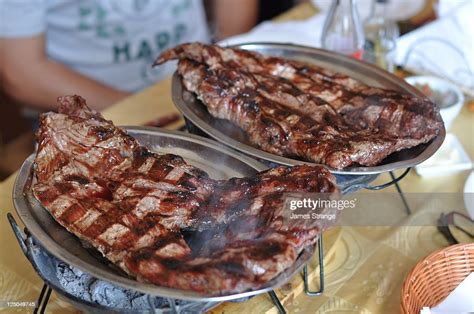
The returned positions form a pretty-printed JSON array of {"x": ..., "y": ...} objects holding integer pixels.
[
  {"x": 95, "y": 18},
  {"x": 181, "y": 7},
  {"x": 146, "y": 49}
]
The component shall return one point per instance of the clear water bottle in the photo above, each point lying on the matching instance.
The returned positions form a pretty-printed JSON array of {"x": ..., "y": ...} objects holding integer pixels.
[
  {"x": 343, "y": 31},
  {"x": 380, "y": 35}
]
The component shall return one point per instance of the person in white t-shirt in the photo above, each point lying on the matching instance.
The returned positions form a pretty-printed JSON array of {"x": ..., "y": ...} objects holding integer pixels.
[{"x": 100, "y": 49}]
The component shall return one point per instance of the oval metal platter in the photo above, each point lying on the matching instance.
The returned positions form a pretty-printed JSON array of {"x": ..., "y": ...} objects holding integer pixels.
[
  {"x": 231, "y": 135},
  {"x": 216, "y": 159}
]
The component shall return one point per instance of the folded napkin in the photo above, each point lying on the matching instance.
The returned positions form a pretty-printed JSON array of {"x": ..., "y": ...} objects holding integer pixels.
[
  {"x": 444, "y": 47},
  {"x": 459, "y": 301}
]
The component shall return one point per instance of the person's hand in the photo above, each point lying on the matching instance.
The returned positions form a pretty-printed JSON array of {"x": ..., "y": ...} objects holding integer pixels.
[{"x": 234, "y": 17}]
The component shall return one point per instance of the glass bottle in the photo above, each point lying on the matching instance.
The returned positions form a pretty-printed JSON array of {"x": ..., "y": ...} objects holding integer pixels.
[
  {"x": 380, "y": 35},
  {"x": 343, "y": 31}
]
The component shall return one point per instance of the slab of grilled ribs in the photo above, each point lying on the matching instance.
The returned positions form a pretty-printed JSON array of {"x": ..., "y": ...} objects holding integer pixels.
[
  {"x": 302, "y": 111},
  {"x": 164, "y": 221}
]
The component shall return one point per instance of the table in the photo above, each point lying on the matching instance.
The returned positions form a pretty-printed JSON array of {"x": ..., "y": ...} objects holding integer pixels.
[{"x": 365, "y": 267}]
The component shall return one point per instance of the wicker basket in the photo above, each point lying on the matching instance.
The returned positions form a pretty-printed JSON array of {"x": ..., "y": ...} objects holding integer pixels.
[{"x": 434, "y": 277}]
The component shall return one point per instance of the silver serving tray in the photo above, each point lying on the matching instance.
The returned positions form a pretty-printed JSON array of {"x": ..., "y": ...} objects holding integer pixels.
[
  {"x": 231, "y": 135},
  {"x": 216, "y": 159}
]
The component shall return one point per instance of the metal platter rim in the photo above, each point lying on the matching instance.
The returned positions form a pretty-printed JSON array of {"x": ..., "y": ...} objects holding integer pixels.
[
  {"x": 198, "y": 140},
  {"x": 24, "y": 209},
  {"x": 181, "y": 104}
]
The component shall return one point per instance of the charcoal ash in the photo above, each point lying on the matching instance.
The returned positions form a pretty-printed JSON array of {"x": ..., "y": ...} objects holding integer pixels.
[{"x": 90, "y": 289}]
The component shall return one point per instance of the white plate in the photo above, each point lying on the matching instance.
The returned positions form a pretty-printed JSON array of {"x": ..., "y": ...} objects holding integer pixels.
[{"x": 449, "y": 159}]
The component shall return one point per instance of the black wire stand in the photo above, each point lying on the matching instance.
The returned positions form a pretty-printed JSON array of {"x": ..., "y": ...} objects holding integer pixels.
[{"x": 43, "y": 299}]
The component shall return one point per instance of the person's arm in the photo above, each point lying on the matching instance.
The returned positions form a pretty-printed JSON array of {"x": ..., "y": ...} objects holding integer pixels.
[
  {"x": 234, "y": 17},
  {"x": 28, "y": 76}
]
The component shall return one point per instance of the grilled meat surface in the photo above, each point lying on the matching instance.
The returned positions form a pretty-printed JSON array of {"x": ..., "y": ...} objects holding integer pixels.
[
  {"x": 302, "y": 111},
  {"x": 163, "y": 221}
]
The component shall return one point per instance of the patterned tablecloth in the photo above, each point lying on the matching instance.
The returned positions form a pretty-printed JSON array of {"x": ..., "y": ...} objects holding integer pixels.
[{"x": 364, "y": 266}]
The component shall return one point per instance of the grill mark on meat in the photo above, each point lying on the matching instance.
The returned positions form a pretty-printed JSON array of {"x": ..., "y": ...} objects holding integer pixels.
[
  {"x": 150, "y": 252},
  {"x": 100, "y": 225},
  {"x": 146, "y": 166},
  {"x": 174, "y": 175},
  {"x": 87, "y": 220},
  {"x": 61, "y": 204},
  {"x": 302, "y": 111},
  {"x": 150, "y": 236},
  {"x": 162, "y": 220},
  {"x": 113, "y": 233},
  {"x": 74, "y": 213}
]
